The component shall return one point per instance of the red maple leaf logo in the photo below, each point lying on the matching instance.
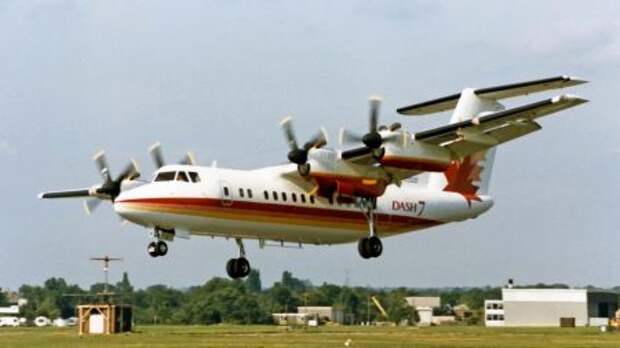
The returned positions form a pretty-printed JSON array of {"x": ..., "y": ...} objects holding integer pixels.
[{"x": 462, "y": 174}]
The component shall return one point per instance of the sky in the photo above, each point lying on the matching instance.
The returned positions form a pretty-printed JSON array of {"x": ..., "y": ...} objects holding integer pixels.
[{"x": 215, "y": 78}]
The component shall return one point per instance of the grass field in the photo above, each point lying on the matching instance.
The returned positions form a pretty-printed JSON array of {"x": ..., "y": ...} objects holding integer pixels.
[{"x": 330, "y": 336}]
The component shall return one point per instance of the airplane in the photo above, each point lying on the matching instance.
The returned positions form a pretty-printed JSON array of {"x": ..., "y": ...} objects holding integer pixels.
[{"x": 326, "y": 196}]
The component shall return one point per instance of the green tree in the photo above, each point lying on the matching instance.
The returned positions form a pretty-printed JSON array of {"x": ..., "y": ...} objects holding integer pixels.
[
  {"x": 253, "y": 282},
  {"x": 124, "y": 287},
  {"x": 3, "y": 299},
  {"x": 282, "y": 299},
  {"x": 398, "y": 309}
]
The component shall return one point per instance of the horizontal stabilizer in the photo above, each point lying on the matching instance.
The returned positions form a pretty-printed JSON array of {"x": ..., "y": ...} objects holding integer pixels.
[
  {"x": 496, "y": 93},
  {"x": 486, "y": 131}
]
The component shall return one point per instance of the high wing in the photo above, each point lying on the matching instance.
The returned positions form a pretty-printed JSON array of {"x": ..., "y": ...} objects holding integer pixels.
[
  {"x": 495, "y": 92},
  {"x": 467, "y": 137}
]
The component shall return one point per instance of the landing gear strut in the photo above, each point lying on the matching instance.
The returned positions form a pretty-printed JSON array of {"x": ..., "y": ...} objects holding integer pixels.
[
  {"x": 370, "y": 246},
  {"x": 239, "y": 267},
  {"x": 158, "y": 248}
]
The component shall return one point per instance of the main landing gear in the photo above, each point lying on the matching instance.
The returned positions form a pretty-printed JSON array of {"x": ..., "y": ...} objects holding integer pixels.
[
  {"x": 239, "y": 267},
  {"x": 370, "y": 246},
  {"x": 157, "y": 248}
]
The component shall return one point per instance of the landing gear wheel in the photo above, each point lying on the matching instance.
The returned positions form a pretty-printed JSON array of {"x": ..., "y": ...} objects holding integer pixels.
[
  {"x": 362, "y": 248},
  {"x": 370, "y": 247},
  {"x": 375, "y": 246},
  {"x": 152, "y": 249},
  {"x": 231, "y": 267},
  {"x": 238, "y": 268},
  {"x": 162, "y": 248}
]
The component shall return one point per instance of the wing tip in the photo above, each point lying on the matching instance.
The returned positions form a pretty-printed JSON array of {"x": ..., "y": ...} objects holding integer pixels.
[{"x": 575, "y": 80}]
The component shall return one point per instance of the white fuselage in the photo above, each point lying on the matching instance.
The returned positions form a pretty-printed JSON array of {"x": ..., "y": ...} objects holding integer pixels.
[{"x": 261, "y": 204}]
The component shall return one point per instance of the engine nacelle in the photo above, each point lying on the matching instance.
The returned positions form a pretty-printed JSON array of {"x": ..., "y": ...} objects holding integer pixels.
[{"x": 416, "y": 156}]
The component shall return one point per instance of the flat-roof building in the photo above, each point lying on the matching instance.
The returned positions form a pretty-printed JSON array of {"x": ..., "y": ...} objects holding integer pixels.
[{"x": 547, "y": 307}]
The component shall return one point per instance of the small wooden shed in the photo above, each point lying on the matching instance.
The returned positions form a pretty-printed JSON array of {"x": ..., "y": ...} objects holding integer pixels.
[{"x": 104, "y": 318}]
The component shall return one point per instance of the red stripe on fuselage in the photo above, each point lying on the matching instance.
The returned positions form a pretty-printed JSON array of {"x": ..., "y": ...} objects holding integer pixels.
[{"x": 391, "y": 222}]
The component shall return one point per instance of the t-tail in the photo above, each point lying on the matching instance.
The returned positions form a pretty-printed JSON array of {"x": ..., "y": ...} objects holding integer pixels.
[
  {"x": 471, "y": 175},
  {"x": 482, "y": 123}
]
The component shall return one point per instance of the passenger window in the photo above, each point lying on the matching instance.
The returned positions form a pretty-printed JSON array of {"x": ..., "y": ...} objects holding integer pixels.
[
  {"x": 181, "y": 176},
  {"x": 275, "y": 195},
  {"x": 165, "y": 176},
  {"x": 284, "y": 196},
  {"x": 330, "y": 200},
  {"x": 249, "y": 193},
  {"x": 294, "y": 197},
  {"x": 303, "y": 198},
  {"x": 194, "y": 176},
  {"x": 312, "y": 199},
  {"x": 226, "y": 192},
  {"x": 241, "y": 192},
  {"x": 266, "y": 194}
]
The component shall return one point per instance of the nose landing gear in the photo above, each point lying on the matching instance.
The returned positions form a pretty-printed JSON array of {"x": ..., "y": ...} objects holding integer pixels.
[
  {"x": 239, "y": 267},
  {"x": 158, "y": 247},
  {"x": 370, "y": 246}
]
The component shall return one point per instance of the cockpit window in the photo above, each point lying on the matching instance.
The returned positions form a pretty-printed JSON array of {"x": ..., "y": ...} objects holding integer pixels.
[
  {"x": 194, "y": 176},
  {"x": 165, "y": 176},
  {"x": 182, "y": 177}
]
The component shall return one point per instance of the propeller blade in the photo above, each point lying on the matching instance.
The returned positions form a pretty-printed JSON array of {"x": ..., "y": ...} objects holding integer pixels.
[
  {"x": 395, "y": 126},
  {"x": 188, "y": 159},
  {"x": 130, "y": 171},
  {"x": 375, "y": 104},
  {"x": 317, "y": 141},
  {"x": 289, "y": 134},
  {"x": 102, "y": 165},
  {"x": 66, "y": 194},
  {"x": 348, "y": 137},
  {"x": 91, "y": 205},
  {"x": 156, "y": 154}
]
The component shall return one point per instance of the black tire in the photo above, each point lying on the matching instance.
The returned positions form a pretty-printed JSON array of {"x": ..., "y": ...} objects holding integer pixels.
[
  {"x": 243, "y": 267},
  {"x": 152, "y": 249},
  {"x": 162, "y": 248},
  {"x": 362, "y": 248},
  {"x": 231, "y": 268},
  {"x": 375, "y": 247}
]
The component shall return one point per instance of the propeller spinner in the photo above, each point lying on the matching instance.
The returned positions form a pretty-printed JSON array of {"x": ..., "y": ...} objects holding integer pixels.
[{"x": 374, "y": 139}]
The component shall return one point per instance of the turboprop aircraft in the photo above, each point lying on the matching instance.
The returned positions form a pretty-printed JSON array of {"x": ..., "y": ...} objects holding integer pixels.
[{"x": 327, "y": 196}]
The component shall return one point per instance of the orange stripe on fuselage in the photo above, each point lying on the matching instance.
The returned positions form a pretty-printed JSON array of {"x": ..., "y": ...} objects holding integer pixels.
[{"x": 276, "y": 213}]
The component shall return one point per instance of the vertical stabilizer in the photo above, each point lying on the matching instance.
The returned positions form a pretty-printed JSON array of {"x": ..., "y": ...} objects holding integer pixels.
[{"x": 471, "y": 175}]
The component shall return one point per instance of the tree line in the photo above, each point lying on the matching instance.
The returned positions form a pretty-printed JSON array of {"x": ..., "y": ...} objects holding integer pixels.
[{"x": 245, "y": 301}]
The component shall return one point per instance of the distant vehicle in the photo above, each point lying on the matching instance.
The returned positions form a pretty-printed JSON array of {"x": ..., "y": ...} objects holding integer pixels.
[
  {"x": 9, "y": 321},
  {"x": 326, "y": 196},
  {"x": 42, "y": 321}
]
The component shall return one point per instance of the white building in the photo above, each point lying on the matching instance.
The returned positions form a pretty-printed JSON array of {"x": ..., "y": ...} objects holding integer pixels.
[
  {"x": 493, "y": 313},
  {"x": 545, "y": 307},
  {"x": 424, "y": 306}
]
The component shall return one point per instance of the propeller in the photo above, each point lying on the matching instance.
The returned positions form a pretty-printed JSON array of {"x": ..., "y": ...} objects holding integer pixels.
[
  {"x": 158, "y": 157},
  {"x": 109, "y": 189},
  {"x": 374, "y": 139},
  {"x": 299, "y": 155}
]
